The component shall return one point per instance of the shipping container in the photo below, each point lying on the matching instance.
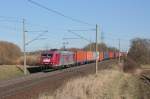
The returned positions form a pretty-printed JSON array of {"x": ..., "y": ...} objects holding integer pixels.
[
  {"x": 89, "y": 56},
  {"x": 111, "y": 54},
  {"x": 101, "y": 56},
  {"x": 116, "y": 54},
  {"x": 106, "y": 55},
  {"x": 80, "y": 57}
]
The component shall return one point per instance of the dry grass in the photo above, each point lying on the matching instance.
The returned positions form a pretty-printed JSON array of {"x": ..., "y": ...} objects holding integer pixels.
[
  {"x": 145, "y": 66},
  {"x": 32, "y": 60},
  {"x": 9, "y": 71},
  {"x": 108, "y": 84}
]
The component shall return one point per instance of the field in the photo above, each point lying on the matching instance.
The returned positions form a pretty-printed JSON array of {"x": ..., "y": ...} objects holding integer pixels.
[
  {"x": 9, "y": 72},
  {"x": 108, "y": 84}
]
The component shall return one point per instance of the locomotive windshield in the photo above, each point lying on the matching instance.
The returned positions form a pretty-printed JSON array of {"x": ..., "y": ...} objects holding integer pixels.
[{"x": 47, "y": 55}]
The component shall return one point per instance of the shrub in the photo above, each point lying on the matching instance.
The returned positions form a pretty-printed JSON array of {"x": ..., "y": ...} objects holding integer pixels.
[
  {"x": 130, "y": 65},
  {"x": 9, "y": 53},
  {"x": 140, "y": 51}
]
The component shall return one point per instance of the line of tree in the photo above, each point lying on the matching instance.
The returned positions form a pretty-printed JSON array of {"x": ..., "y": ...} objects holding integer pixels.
[{"x": 101, "y": 47}]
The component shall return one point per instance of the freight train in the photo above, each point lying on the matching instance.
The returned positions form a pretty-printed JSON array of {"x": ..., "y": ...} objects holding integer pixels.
[{"x": 55, "y": 59}]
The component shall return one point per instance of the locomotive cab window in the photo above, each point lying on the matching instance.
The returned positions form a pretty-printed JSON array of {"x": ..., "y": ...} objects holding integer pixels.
[
  {"x": 44, "y": 55},
  {"x": 49, "y": 55}
]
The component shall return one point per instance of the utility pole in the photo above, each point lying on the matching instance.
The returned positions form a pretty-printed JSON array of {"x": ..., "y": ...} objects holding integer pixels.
[
  {"x": 24, "y": 46},
  {"x": 96, "y": 49},
  {"x": 119, "y": 50},
  {"x": 101, "y": 35},
  {"x": 64, "y": 45}
]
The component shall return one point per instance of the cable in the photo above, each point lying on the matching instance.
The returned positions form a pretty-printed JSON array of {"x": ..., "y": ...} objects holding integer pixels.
[
  {"x": 12, "y": 21},
  {"x": 58, "y": 13},
  {"x": 6, "y": 17},
  {"x": 84, "y": 30},
  {"x": 9, "y": 28},
  {"x": 79, "y": 35}
]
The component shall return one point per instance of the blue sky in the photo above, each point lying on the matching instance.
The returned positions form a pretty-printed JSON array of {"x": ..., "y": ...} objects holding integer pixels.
[{"x": 124, "y": 19}]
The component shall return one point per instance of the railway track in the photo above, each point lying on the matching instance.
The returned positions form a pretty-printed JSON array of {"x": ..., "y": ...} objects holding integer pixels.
[
  {"x": 146, "y": 79},
  {"x": 145, "y": 76},
  {"x": 30, "y": 86}
]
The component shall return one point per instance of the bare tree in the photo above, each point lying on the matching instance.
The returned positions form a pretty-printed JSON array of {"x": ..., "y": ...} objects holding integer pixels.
[{"x": 140, "y": 51}]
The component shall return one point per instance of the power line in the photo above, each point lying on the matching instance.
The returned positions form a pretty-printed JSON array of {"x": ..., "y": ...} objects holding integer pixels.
[
  {"x": 9, "y": 28},
  {"x": 8, "y": 17},
  {"x": 11, "y": 21},
  {"x": 28, "y": 24},
  {"x": 79, "y": 35},
  {"x": 116, "y": 38},
  {"x": 70, "y": 38},
  {"x": 84, "y": 30},
  {"x": 58, "y": 13},
  {"x": 18, "y": 20}
]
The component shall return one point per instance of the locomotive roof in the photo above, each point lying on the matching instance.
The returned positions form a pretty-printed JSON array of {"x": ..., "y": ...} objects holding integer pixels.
[{"x": 57, "y": 52}]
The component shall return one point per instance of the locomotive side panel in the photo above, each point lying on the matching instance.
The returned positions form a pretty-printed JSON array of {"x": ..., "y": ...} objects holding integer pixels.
[{"x": 66, "y": 58}]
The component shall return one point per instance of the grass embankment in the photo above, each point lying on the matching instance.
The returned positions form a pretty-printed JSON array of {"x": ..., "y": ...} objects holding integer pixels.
[
  {"x": 108, "y": 84},
  {"x": 9, "y": 72},
  {"x": 146, "y": 66}
]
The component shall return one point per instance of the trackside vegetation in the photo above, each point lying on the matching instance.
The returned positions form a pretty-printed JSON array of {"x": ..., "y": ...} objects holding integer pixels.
[
  {"x": 9, "y": 72},
  {"x": 140, "y": 51},
  {"x": 108, "y": 84}
]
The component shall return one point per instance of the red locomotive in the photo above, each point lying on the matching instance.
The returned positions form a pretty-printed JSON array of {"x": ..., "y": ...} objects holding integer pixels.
[{"x": 57, "y": 58}]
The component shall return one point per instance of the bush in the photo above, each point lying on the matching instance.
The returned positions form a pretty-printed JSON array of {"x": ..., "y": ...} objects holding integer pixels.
[
  {"x": 130, "y": 65},
  {"x": 9, "y": 53},
  {"x": 140, "y": 51}
]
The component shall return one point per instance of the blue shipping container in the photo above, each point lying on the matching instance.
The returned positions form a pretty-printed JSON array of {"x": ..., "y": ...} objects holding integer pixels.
[{"x": 106, "y": 55}]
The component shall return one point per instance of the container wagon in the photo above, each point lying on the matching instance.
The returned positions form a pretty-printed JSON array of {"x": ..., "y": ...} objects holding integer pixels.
[{"x": 80, "y": 57}]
